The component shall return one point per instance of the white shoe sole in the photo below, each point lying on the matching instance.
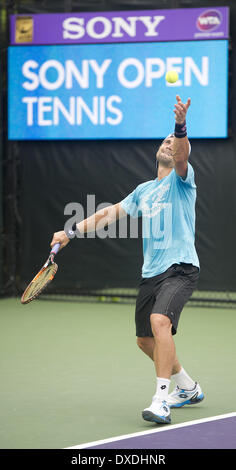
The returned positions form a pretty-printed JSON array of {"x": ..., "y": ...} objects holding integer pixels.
[{"x": 149, "y": 416}]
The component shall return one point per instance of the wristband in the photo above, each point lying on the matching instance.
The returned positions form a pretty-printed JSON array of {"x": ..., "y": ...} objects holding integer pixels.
[
  {"x": 71, "y": 233},
  {"x": 180, "y": 130}
]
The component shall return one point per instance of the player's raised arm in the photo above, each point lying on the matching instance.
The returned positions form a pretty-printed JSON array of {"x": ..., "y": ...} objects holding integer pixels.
[
  {"x": 99, "y": 219},
  {"x": 181, "y": 144}
]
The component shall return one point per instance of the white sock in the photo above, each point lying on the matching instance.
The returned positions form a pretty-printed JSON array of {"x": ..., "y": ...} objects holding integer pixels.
[
  {"x": 183, "y": 380},
  {"x": 162, "y": 388}
]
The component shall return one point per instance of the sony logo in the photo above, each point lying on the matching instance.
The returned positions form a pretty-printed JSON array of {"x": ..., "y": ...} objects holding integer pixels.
[{"x": 100, "y": 27}]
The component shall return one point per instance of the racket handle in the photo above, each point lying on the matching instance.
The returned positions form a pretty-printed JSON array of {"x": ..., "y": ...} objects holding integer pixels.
[{"x": 55, "y": 249}]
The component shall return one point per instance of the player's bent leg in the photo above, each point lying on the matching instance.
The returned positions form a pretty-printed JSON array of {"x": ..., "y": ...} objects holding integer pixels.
[
  {"x": 146, "y": 344},
  {"x": 190, "y": 395}
]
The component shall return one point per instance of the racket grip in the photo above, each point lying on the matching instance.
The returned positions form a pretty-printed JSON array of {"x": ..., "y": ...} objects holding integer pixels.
[{"x": 55, "y": 248}]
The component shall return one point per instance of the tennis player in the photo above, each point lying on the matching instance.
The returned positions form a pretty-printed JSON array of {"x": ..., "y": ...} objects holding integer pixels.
[{"x": 171, "y": 267}]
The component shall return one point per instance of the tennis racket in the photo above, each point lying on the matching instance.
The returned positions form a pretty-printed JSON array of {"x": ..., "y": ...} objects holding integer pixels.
[{"x": 42, "y": 279}]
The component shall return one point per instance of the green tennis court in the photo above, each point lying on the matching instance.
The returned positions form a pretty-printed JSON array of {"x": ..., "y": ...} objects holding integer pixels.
[{"x": 71, "y": 372}]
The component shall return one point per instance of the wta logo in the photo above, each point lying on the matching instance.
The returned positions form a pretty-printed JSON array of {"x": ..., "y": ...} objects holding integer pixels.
[{"x": 209, "y": 20}]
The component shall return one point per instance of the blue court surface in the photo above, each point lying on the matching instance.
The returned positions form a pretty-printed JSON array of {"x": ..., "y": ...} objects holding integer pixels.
[{"x": 218, "y": 432}]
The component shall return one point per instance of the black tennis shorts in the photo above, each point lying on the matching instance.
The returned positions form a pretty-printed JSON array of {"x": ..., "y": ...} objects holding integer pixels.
[{"x": 167, "y": 294}]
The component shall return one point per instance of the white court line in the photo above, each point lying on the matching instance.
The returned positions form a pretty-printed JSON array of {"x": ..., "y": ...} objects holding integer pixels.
[{"x": 143, "y": 433}]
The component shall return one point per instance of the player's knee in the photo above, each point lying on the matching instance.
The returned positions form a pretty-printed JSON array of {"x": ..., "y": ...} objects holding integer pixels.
[
  {"x": 143, "y": 343},
  {"x": 160, "y": 324}
]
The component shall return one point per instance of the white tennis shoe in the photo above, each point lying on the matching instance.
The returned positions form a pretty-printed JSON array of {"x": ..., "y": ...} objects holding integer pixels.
[
  {"x": 180, "y": 397},
  {"x": 158, "y": 412}
]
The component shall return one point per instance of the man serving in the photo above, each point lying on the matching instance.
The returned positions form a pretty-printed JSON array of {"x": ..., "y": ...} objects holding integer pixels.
[{"x": 171, "y": 267}]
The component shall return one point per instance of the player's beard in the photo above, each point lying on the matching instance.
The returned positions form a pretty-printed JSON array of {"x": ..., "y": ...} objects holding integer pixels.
[{"x": 165, "y": 158}]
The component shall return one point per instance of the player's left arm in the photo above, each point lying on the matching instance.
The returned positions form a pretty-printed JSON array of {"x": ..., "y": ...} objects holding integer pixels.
[{"x": 181, "y": 143}]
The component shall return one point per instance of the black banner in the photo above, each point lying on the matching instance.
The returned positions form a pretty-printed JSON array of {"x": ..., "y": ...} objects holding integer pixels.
[
  {"x": 44, "y": 177},
  {"x": 58, "y": 173},
  {"x": 72, "y": 458}
]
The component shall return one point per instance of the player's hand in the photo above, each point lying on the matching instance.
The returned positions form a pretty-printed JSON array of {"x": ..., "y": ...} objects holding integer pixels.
[
  {"x": 181, "y": 110},
  {"x": 60, "y": 237}
]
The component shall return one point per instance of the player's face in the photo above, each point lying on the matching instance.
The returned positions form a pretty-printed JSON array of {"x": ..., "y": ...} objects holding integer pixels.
[{"x": 165, "y": 151}]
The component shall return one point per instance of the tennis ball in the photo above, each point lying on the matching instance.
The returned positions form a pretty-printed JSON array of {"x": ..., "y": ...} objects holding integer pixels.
[{"x": 172, "y": 76}]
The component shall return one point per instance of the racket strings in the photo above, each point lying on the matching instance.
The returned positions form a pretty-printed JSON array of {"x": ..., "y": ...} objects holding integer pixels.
[
  {"x": 37, "y": 285},
  {"x": 39, "y": 282}
]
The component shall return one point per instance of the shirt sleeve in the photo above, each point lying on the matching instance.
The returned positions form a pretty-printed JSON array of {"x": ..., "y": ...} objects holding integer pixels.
[
  {"x": 130, "y": 204},
  {"x": 189, "y": 179}
]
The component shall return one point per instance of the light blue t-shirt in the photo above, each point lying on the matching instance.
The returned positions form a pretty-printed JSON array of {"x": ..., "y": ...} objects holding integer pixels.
[{"x": 167, "y": 208}]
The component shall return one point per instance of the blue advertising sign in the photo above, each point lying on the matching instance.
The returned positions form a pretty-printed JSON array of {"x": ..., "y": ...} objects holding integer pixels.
[{"x": 114, "y": 91}]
